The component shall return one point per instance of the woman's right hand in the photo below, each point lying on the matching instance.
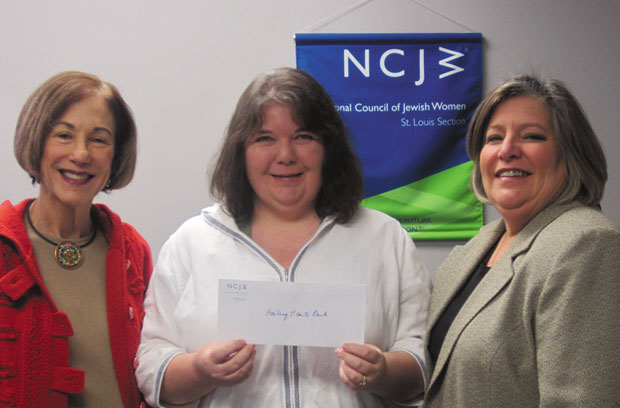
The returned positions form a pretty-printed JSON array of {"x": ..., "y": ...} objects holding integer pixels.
[
  {"x": 225, "y": 364},
  {"x": 190, "y": 376}
]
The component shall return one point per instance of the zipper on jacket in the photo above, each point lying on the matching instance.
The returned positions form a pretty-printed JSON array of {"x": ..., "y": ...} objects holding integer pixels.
[{"x": 292, "y": 390}]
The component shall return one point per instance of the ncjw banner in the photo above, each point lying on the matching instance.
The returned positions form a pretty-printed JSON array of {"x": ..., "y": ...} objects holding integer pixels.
[{"x": 407, "y": 100}]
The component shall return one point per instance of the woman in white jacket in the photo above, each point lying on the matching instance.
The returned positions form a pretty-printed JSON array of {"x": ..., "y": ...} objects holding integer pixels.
[{"x": 289, "y": 187}]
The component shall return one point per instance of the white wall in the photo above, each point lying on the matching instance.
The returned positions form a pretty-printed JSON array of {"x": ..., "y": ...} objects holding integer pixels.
[{"x": 181, "y": 66}]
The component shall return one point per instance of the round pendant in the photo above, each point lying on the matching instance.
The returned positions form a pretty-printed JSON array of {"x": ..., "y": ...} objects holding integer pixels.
[{"x": 68, "y": 255}]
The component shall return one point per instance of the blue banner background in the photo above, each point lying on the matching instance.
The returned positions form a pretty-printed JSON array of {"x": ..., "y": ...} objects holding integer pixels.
[{"x": 398, "y": 147}]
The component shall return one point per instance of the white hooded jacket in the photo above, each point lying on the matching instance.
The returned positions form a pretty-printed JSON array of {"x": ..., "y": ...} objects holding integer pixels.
[{"x": 181, "y": 305}]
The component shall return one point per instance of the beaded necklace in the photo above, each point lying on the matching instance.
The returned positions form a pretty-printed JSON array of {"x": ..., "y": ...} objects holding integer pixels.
[{"x": 67, "y": 253}]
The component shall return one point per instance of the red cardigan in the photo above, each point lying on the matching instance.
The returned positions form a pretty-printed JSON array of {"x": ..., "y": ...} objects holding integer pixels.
[{"x": 34, "y": 350}]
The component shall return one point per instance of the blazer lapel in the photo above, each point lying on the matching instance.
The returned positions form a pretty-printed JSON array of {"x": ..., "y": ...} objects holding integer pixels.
[
  {"x": 496, "y": 279},
  {"x": 463, "y": 263}
]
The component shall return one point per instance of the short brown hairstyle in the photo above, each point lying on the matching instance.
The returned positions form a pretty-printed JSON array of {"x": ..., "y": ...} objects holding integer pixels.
[
  {"x": 313, "y": 109},
  {"x": 48, "y": 103},
  {"x": 578, "y": 146}
]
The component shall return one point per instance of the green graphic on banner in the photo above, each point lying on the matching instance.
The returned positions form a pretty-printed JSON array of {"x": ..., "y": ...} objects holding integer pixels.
[{"x": 443, "y": 208}]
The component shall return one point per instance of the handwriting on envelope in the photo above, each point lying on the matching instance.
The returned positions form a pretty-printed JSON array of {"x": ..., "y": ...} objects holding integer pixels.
[{"x": 285, "y": 313}]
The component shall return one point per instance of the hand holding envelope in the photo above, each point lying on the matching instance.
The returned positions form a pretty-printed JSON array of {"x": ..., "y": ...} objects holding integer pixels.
[
  {"x": 189, "y": 376},
  {"x": 361, "y": 365},
  {"x": 226, "y": 363}
]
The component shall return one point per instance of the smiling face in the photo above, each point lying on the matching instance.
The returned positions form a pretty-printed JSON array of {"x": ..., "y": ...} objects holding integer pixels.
[
  {"x": 519, "y": 161},
  {"x": 77, "y": 155},
  {"x": 284, "y": 164}
]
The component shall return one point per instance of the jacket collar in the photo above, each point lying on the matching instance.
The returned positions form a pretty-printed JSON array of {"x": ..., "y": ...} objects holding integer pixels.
[
  {"x": 12, "y": 227},
  {"x": 216, "y": 212},
  {"x": 467, "y": 258}
]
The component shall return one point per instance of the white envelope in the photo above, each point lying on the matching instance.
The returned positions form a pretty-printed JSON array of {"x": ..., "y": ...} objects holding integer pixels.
[{"x": 284, "y": 313}]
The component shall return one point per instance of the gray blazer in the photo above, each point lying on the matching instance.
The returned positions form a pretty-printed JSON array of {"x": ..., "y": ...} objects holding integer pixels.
[{"x": 542, "y": 329}]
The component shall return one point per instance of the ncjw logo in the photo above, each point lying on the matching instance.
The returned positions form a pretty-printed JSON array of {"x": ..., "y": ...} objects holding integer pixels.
[
  {"x": 389, "y": 55},
  {"x": 236, "y": 287}
]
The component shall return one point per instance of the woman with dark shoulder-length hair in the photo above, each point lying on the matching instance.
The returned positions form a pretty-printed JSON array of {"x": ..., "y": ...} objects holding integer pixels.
[
  {"x": 72, "y": 274},
  {"x": 526, "y": 313},
  {"x": 288, "y": 186}
]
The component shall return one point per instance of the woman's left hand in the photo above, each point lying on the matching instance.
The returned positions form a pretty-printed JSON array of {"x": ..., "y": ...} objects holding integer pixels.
[{"x": 362, "y": 366}]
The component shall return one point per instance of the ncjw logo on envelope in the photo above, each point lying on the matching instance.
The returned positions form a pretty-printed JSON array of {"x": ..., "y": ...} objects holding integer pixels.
[{"x": 238, "y": 290}]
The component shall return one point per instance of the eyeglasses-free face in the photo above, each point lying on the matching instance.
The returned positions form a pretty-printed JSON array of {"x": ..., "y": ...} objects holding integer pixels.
[{"x": 520, "y": 165}]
